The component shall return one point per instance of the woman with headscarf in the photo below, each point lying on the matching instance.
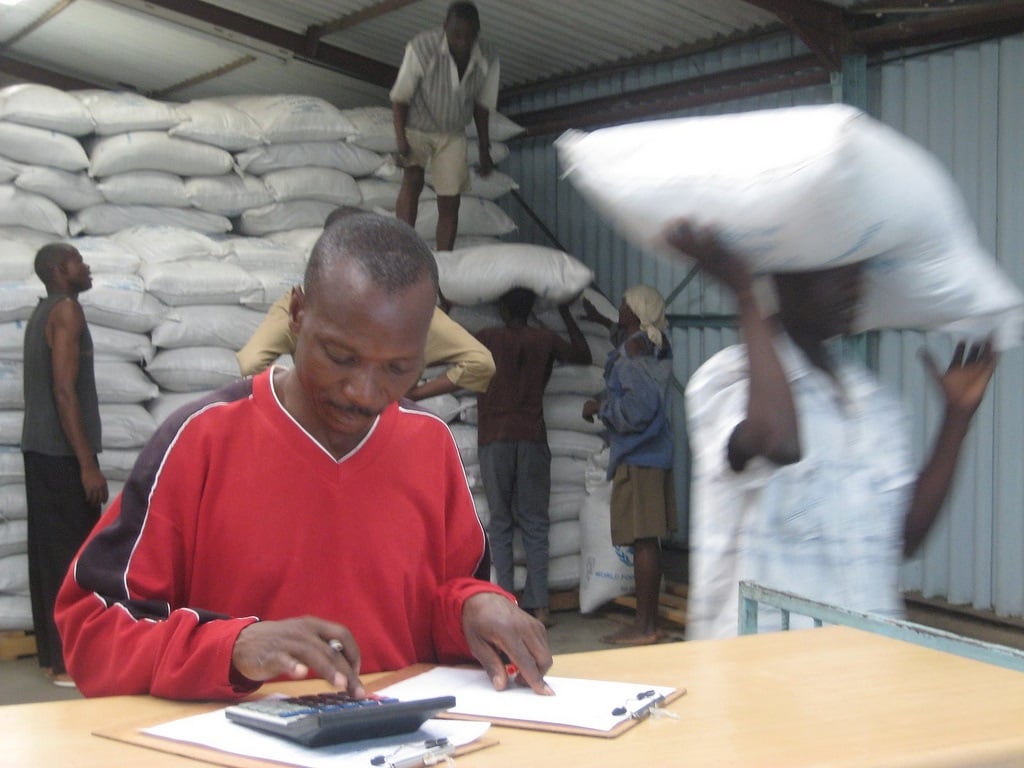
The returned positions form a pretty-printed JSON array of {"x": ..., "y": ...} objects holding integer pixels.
[{"x": 634, "y": 409}]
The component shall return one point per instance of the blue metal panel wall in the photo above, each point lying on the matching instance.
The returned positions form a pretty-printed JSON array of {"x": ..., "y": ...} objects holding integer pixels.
[{"x": 966, "y": 106}]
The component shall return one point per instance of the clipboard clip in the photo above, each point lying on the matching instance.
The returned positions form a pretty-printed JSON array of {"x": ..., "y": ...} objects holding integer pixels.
[
  {"x": 434, "y": 752},
  {"x": 644, "y": 704}
]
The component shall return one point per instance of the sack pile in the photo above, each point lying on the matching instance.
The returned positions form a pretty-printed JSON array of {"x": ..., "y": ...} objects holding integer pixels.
[{"x": 194, "y": 218}]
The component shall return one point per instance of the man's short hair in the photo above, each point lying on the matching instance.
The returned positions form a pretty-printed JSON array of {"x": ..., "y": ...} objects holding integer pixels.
[
  {"x": 49, "y": 257},
  {"x": 465, "y": 11},
  {"x": 390, "y": 251}
]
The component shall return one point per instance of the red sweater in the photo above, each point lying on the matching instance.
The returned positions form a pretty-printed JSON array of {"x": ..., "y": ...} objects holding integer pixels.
[{"x": 233, "y": 513}]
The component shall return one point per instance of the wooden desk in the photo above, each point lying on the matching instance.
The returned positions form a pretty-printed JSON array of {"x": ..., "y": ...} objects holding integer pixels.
[{"x": 824, "y": 697}]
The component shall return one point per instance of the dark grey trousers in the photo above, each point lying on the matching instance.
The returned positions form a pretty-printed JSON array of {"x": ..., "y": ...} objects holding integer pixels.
[{"x": 517, "y": 481}]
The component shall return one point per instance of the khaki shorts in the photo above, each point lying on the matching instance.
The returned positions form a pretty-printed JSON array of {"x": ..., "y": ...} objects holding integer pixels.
[
  {"x": 445, "y": 155},
  {"x": 643, "y": 504}
]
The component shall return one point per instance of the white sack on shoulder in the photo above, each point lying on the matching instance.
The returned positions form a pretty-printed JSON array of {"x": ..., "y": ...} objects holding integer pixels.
[
  {"x": 478, "y": 275},
  {"x": 806, "y": 188}
]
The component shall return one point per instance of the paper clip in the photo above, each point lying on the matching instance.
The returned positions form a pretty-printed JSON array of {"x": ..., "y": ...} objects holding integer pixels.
[{"x": 435, "y": 751}]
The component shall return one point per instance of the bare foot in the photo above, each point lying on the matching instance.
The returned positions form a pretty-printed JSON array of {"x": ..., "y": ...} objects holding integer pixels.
[{"x": 633, "y": 636}]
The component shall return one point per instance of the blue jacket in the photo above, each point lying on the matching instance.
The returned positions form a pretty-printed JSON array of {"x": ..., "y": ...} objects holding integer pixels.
[{"x": 634, "y": 408}]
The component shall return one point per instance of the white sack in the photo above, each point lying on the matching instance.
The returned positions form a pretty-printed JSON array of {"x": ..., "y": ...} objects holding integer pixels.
[
  {"x": 12, "y": 466},
  {"x": 445, "y": 406},
  {"x": 178, "y": 283},
  {"x": 194, "y": 369},
  {"x": 11, "y": 421},
  {"x": 482, "y": 274},
  {"x": 110, "y": 219},
  {"x": 215, "y": 325},
  {"x": 313, "y": 183},
  {"x": 259, "y": 253},
  {"x": 153, "y": 244},
  {"x": 339, "y": 155},
  {"x": 156, "y": 151},
  {"x": 476, "y": 217},
  {"x": 116, "y": 463},
  {"x": 19, "y": 297},
  {"x": 378, "y": 193},
  {"x": 573, "y": 444},
  {"x": 123, "y": 111},
  {"x": 807, "y": 188},
  {"x": 12, "y": 384},
  {"x": 144, "y": 188},
  {"x": 606, "y": 571},
  {"x": 70, "y": 191},
  {"x": 121, "y": 382},
  {"x": 126, "y": 425},
  {"x": 13, "y": 503},
  {"x": 46, "y": 107},
  {"x": 577, "y": 379},
  {"x": 466, "y": 439},
  {"x": 274, "y": 283},
  {"x": 15, "y": 613},
  {"x": 115, "y": 344},
  {"x": 27, "y": 209},
  {"x": 293, "y": 117},
  {"x": 166, "y": 403},
  {"x": 105, "y": 255},
  {"x": 277, "y": 217},
  {"x": 563, "y": 573},
  {"x": 17, "y": 260},
  {"x": 565, "y": 503},
  {"x": 216, "y": 123},
  {"x": 565, "y": 411},
  {"x": 563, "y": 539},
  {"x": 227, "y": 195},
  {"x": 35, "y": 146},
  {"x": 14, "y": 574},
  {"x": 121, "y": 301}
]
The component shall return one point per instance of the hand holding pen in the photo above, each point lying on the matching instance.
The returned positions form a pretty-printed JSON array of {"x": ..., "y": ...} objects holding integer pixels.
[{"x": 510, "y": 644}]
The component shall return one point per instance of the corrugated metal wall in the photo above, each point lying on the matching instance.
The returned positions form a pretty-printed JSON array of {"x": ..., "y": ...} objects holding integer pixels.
[{"x": 967, "y": 107}]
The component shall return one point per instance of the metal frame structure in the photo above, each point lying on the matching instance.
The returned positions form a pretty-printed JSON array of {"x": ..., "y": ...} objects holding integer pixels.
[{"x": 752, "y": 595}]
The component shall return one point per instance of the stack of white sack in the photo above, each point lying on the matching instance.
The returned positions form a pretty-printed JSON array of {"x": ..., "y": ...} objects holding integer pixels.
[
  {"x": 479, "y": 216},
  {"x": 303, "y": 162},
  {"x": 807, "y": 188},
  {"x": 475, "y": 278}
]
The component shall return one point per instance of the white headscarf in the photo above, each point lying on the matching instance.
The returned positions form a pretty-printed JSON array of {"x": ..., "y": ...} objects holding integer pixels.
[{"x": 649, "y": 307}]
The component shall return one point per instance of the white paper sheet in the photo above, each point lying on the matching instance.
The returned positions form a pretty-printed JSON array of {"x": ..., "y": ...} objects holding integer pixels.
[
  {"x": 577, "y": 702},
  {"x": 214, "y": 730}
]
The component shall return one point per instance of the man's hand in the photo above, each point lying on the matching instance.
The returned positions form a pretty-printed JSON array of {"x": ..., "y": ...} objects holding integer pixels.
[
  {"x": 95, "y": 485},
  {"x": 965, "y": 380},
  {"x": 269, "y": 649},
  {"x": 486, "y": 165},
  {"x": 590, "y": 409},
  {"x": 714, "y": 258},
  {"x": 494, "y": 626}
]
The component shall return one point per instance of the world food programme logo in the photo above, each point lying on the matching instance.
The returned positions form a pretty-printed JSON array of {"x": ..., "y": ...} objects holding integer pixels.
[{"x": 625, "y": 555}]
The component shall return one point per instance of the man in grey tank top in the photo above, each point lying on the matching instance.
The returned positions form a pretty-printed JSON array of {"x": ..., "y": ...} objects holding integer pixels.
[
  {"x": 60, "y": 440},
  {"x": 447, "y": 78}
]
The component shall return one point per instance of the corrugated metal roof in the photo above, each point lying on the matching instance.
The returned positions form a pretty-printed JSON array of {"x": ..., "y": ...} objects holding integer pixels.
[{"x": 348, "y": 50}]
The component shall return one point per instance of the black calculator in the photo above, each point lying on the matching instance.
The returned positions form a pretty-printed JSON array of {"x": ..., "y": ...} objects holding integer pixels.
[{"x": 335, "y": 717}]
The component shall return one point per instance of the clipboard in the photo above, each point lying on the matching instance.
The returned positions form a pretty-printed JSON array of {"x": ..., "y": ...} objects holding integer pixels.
[
  {"x": 527, "y": 724},
  {"x": 131, "y": 732}
]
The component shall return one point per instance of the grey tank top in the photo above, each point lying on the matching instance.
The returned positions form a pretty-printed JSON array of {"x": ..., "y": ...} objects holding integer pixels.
[{"x": 42, "y": 431}]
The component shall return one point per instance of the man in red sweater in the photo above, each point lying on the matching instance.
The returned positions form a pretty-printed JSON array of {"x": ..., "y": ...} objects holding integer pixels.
[{"x": 303, "y": 522}]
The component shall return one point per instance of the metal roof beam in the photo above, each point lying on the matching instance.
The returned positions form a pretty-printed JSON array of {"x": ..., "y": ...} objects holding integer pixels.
[
  {"x": 316, "y": 32},
  {"x": 30, "y": 73},
  {"x": 332, "y": 57},
  {"x": 945, "y": 24},
  {"x": 743, "y": 82},
  {"x": 824, "y": 28}
]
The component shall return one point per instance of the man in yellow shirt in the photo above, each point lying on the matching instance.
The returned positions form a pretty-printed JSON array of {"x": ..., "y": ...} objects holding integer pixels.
[{"x": 470, "y": 365}]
